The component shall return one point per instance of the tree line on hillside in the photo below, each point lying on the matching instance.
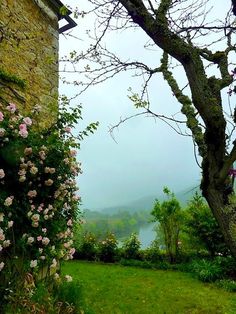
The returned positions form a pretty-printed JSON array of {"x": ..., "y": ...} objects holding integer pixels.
[{"x": 122, "y": 223}]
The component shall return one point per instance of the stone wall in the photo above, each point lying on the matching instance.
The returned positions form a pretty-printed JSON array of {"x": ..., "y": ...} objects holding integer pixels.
[{"x": 29, "y": 50}]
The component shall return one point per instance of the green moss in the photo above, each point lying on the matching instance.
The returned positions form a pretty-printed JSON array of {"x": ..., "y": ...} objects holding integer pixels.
[{"x": 11, "y": 78}]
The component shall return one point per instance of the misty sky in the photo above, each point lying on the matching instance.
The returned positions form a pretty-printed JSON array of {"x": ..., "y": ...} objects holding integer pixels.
[{"x": 147, "y": 154}]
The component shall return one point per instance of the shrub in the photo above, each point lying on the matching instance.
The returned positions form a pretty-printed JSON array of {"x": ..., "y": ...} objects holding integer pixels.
[
  {"x": 202, "y": 227},
  {"x": 227, "y": 284},
  {"x": 153, "y": 254},
  {"x": 107, "y": 250},
  {"x": 131, "y": 246},
  {"x": 227, "y": 264},
  {"x": 88, "y": 248},
  {"x": 38, "y": 197},
  {"x": 62, "y": 298},
  {"x": 206, "y": 270}
]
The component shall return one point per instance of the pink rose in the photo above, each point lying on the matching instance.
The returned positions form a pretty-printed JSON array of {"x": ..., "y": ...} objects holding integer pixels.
[
  {"x": 28, "y": 151},
  {"x": 11, "y": 107},
  {"x": 27, "y": 121},
  {"x": 2, "y": 173},
  {"x": 23, "y": 130},
  {"x": 8, "y": 201},
  {"x": 2, "y": 132},
  {"x": 32, "y": 193},
  {"x": 1, "y": 116},
  {"x": 73, "y": 152}
]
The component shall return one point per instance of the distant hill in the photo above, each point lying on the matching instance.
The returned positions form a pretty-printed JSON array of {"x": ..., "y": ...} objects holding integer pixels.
[{"x": 146, "y": 203}]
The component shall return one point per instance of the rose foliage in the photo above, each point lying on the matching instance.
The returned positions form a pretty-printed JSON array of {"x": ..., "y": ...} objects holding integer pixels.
[{"x": 38, "y": 195}]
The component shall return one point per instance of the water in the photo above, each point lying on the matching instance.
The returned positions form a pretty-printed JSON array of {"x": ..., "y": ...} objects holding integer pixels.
[{"x": 147, "y": 235}]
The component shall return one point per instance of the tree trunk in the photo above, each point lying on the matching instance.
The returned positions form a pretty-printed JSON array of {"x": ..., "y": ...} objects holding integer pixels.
[{"x": 225, "y": 215}]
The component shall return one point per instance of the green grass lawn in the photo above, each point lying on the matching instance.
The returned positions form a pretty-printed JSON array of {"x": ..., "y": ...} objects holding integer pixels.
[{"x": 108, "y": 289}]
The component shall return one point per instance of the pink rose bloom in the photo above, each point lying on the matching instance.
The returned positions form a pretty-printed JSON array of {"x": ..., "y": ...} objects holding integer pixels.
[
  {"x": 2, "y": 235},
  {"x": 52, "y": 170},
  {"x": 35, "y": 224},
  {"x": 11, "y": 107},
  {"x": 42, "y": 155},
  {"x": 10, "y": 224},
  {"x": 39, "y": 238},
  {"x": 6, "y": 243},
  {"x": 1, "y": 217},
  {"x": 73, "y": 152},
  {"x": 44, "y": 230},
  {"x": 27, "y": 121},
  {"x": 2, "y": 173},
  {"x": 35, "y": 217},
  {"x": 23, "y": 130},
  {"x": 22, "y": 126},
  {"x": 32, "y": 193},
  {"x": 23, "y": 133},
  {"x": 48, "y": 182},
  {"x": 34, "y": 170},
  {"x": 68, "y": 278},
  {"x": 1, "y": 265},
  {"x": 72, "y": 251},
  {"x": 1, "y": 116},
  {"x": 22, "y": 178},
  {"x": 8, "y": 201},
  {"x": 33, "y": 263},
  {"x": 39, "y": 209},
  {"x": 45, "y": 240},
  {"x": 28, "y": 151},
  {"x": 2, "y": 132},
  {"x": 69, "y": 222}
]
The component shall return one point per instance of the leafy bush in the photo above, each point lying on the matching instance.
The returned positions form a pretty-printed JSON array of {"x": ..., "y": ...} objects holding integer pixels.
[
  {"x": 61, "y": 298},
  {"x": 206, "y": 270},
  {"x": 153, "y": 253},
  {"x": 203, "y": 229},
  {"x": 131, "y": 246},
  {"x": 107, "y": 249},
  {"x": 88, "y": 248},
  {"x": 227, "y": 284}
]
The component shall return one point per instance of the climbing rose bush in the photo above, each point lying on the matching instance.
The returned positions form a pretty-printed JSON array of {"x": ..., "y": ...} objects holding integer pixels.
[{"x": 38, "y": 194}]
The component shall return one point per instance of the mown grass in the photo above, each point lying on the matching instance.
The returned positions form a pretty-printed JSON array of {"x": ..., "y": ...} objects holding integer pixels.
[{"x": 115, "y": 289}]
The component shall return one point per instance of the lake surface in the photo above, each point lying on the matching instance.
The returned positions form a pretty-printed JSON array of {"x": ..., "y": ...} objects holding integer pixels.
[{"x": 147, "y": 235}]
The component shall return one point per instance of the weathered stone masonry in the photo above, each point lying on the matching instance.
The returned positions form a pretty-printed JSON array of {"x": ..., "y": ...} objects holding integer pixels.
[{"x": 29, "y": 50}]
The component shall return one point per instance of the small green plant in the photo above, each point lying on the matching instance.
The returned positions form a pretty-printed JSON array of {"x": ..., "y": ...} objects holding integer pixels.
[
  {"x": 227, "y": 284},
  {"x": 206, "y": 270},
  {"x": 131, "y": 247},
  {"x": 68, "y": 296},
  {"x": 108, "y": 248}
]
